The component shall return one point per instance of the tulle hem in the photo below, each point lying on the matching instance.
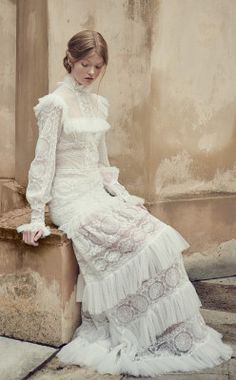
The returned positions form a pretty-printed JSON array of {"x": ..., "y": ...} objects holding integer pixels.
[{"x": 120, "y": 360}]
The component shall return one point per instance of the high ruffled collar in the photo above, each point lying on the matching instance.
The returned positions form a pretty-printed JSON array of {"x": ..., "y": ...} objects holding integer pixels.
[{"x": 71, "y": 83}]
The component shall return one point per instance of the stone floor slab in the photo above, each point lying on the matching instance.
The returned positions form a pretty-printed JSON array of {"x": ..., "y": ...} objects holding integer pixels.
[
  {"x": 217, "y": 373},
  {"x": 232, "y": 369},
  {"x": 197, "y": 376},
  {"x": 19, "y": 358},
  {"x": 54, "y": 371}
]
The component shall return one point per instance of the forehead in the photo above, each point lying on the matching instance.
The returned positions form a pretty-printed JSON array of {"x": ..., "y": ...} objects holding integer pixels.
[{"x": 94, "y": 58}]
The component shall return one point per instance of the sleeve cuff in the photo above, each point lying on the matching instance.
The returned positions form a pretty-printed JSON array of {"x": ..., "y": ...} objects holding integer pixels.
[
  {"x": 110, "y": 176},
  {"x": 33, "y": 227}
]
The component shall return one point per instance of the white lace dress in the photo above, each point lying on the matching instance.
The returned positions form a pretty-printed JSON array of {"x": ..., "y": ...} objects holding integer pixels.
[{"x": 140, "y": 312}]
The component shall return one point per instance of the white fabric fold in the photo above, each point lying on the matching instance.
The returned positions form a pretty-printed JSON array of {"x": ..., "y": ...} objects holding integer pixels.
[
  {"x": 102, "y": 356},
  {"x": 158, "y": 254},
  {"x": 110, "y": 175}
]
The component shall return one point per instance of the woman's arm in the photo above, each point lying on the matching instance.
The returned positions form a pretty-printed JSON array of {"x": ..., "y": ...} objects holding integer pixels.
[
  {"x": 110, "y": 176},
  {"x": 49, "y": 120}
]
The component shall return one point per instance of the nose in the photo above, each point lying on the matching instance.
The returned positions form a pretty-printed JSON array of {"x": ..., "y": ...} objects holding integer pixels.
[{"x": 91, "y": 70}]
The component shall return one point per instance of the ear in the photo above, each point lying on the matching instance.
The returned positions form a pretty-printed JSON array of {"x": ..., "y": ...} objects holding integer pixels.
[{"x": 70, "y": 59}]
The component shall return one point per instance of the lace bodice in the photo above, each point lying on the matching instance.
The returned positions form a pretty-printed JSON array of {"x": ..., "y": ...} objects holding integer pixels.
[{"x": 72, "y": 125}]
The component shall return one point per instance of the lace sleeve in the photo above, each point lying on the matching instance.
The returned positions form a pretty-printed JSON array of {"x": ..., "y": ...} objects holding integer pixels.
[
  {"x": 42, "y": 168},
  {"x": 110, "y": 176}
]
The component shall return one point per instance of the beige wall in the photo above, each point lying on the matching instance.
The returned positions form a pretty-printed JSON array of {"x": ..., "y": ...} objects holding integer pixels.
[
  {"x": 31, "y": 78},
  {"x": 169, "y": 82},
  {"x": 7, "y": 81},
  {"x": 193, "y": 129}
]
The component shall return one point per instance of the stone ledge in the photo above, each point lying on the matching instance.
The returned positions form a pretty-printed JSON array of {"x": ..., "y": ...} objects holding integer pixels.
[
  {"x": 224, "y": 322},
  {"x": 217, "y": 294},
  {"x": 209, "y": 225},
  {"x": 12, "y": 196},
  {"x": 11, "y": 219},
  {"x": 205, "y": 222},
  {"x": 216, "y": 262}
]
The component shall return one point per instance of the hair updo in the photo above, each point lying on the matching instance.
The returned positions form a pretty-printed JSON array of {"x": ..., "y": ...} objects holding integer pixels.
[{"x": 81, "y": 44}]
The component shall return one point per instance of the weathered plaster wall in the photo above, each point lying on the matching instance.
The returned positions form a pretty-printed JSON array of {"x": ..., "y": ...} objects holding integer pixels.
[
  {"x": 193, "y": 129},
  {"x": 169, "y": 83},
  {"x": 7, "y": 80},
  {"x": 126, "y": 25},
  {"x": 31, "y": 78}
]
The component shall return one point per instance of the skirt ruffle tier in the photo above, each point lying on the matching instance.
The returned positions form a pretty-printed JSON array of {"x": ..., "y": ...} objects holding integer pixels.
[{"x": 167, "y": 335}]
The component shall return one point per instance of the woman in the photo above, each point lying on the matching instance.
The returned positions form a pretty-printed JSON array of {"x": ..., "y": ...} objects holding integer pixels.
[{"x": 140, "y": 312}]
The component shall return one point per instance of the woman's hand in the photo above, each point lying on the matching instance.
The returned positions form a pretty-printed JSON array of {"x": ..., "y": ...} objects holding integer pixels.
[{"x": 30, "y": 237}]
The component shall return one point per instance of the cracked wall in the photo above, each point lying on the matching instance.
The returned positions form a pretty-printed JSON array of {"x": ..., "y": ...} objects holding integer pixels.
[
  {"x": 193, "y": 116},
  {"x": 7, "y": 79},
  {"x": 169, "y": 83}
]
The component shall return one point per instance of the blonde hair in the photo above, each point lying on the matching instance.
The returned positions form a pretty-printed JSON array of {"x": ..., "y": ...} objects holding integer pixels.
[{"x": 83, "y": 43}]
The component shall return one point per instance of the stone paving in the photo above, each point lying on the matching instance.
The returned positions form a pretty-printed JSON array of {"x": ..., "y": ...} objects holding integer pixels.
[
  {"x": 27, "y": 361},
  {"x": 53, "y": 371},
  {"x": 18, "y": 359}
]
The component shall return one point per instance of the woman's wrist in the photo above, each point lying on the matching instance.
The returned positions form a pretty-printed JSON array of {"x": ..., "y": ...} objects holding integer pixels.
[{"x": 34, "y": 227}]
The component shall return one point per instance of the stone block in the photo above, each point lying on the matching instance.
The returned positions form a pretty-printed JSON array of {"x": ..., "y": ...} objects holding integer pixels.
[
  {"x": 222, "y": 321},
  {"x": 12, "y": 196},
  {"x": 209, "y": 225},
  {"x": 233, "y": 345},
  {"x": 3, "y": 181},
  {"x": 232, "y": 369},
  {"x": 216, "y": 262},
  {"x": 38, "y": 285},
  {"x": 217, "y": 294},
  {"x": 205, "y": 222}
]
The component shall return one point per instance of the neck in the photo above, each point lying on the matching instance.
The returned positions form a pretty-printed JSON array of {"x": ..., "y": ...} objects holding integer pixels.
[{"x": 72, "y": 83}]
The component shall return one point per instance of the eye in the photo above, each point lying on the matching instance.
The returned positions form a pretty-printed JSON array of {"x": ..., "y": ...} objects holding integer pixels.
[
  {"x": 99, "y": 67},
  {"x": 84, "y": 64}
]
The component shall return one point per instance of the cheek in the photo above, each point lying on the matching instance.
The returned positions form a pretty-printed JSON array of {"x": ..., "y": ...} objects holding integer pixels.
[
  {"x": 79, "y": 69},
  {"x": 98, "y": 72}
]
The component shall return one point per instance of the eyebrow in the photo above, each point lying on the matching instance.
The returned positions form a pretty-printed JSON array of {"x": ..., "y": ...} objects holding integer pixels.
[{"x": 97, "y": 64}]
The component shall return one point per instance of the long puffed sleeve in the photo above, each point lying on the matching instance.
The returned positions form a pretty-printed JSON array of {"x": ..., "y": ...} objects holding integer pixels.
[
  {"x": 49, "y": 113},
  {"x": 110, "y": 175}
]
